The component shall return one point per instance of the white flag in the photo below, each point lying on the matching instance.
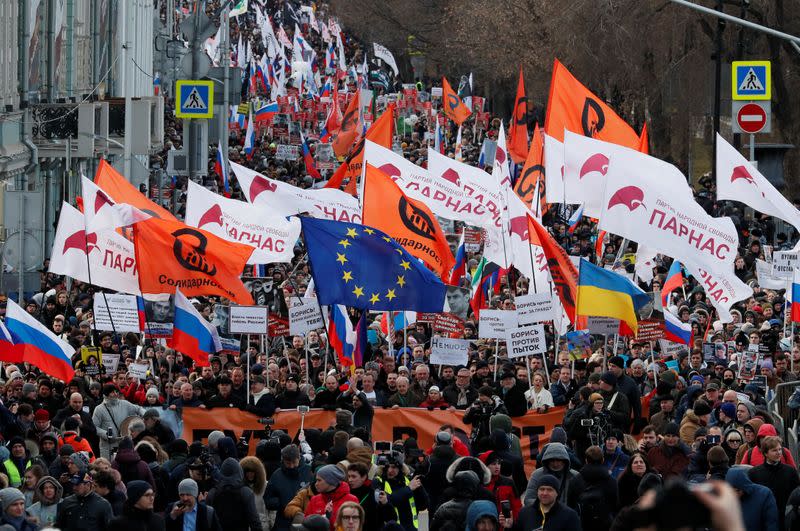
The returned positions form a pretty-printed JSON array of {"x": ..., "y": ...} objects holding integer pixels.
[
  {"x": 110, "y": 255},
  {"x": 554, "y": 169},
  {"x": 639, "y": 204},
  {"x": 283, "y": 199},
  {"x": 723, "y": 291},
  {"x": 272, "y": 236},
  {"x": 528, "y": 259},
  {"x": 383, "y": 53},
  {"x": 500, "y": 170},
  {"x": 739, "y": 180},
  {"x": 102, "y": 213}
]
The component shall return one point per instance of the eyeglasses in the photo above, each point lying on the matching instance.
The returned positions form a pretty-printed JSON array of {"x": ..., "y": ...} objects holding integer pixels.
[{"x": 734, "y": 441}]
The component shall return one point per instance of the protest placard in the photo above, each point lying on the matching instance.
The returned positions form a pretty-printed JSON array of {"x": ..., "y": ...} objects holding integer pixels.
[
  {"x": 494, "y": 323},
  {"x": 304, "y": 316},
  {"x": 766, "y": 279},
  {"x": 116, "y": 312},
  {"x": 650, "y": 330},
  {"x": 287, "y": 152},
  {"x": 445, "y": 351},
  {"x": 248, "y": 319},
  {"x": 670, "y": 349},
  {"x": 534, "y": 308},
  {"x": 138, "y": 370},
  {"x": 110, "y": 362},
  {"x": 604, "y": 326},
  {"x": 526, "y": 341},
  {"x": 784, "y": 264},
  {"x": 472, "y": 239}
]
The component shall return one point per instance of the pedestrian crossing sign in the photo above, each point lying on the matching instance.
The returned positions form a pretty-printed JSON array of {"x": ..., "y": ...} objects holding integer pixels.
[
  {"x": 195, "y": 98},
  {"x": 751, "y": 80}
]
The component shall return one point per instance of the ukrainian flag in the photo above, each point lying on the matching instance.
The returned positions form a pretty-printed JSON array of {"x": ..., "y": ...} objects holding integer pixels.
[{"x": 604, "y": 293}]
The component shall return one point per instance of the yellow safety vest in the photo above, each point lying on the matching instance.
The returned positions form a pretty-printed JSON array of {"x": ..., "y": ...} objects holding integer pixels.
[
  {"x": 14, "y": 479},
  {"x": 387, "y": 488}
]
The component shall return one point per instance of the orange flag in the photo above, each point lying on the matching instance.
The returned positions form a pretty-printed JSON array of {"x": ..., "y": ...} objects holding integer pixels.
[
  {"x": 351, "y": 127},
  {"x": 453, "y": 107},
  {"x": 122, "y": 191},
  {"x": 532, "y": 177},
  {"x": 644, "y": 141},
  {"x": 380, "y": 132},
  {"x": 411, "y": 223},
  {"x": 171, "y": 254},
  {"x": 573, "y": 107},
  {"x": 562, "y": 270},
  {"x": 518, "y": 128}
]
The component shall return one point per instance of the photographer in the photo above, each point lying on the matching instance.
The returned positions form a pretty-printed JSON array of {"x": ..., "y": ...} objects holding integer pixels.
[
  {"x": 406, "y": 496},
  {"x": 590, "y": 424},
  {"x": 479, "y": 414}
]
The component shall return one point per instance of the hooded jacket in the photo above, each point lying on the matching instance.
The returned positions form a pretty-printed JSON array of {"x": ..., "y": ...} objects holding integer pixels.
[
  {"x": 755, "y": 425},
  {"x": 454, "y": 511},
  {"x": 501, "y": 421},
  {"x": 233, "y": 501},
  {"x": 46, "y": 512},
  {"x": 669, "y": 461},
  {"x": 131, "y": 467},
  {"x": 283, "y": 484},
  {"x": 754, "y": 457},
  {"x": 338, "y": 496},
  {"x": 259, "y": 486},
  {"x": 566, "y": 475},
  {"x": 759, "y": 510},
  {"x": 689, "y": 425},
  {"x": 477, "y": 510}
]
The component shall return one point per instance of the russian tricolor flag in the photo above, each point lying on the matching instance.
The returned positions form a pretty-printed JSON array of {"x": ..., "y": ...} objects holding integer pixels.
[
  {"x": 311, "y": 169},
  {"x": 266, "y": 111},
  {"x": 796, "y": 297},
  {"x": 249, "y": 139},
  {"x": 221, "y": 168},
  {"x": 675, "y": 330},
  {"x": 575, "y": 219},
  {"x": 26, "y": 340},
  {"x": 191, "y": 334},
  {"x": 349, "y": 344},
  {"x": 157, "y": 83},
  {"x": 460, "y": 269},
  {"x": 325, "y": 92},
  {"x": 140, "y": 312},
  {"x": 673, "y": 281}
]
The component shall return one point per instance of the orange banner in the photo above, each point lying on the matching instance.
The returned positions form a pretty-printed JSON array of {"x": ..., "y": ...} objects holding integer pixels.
[
  {"x": 171, "y": 254},
  {"x": 531, "y": 181},
  {"x": 452, "y": 105},
  {"x": 351, "y": 127},
  {"x": 518, "y": 127},
  {"x": 533, "y": 429},
  {"x": 562, "y": 270},
  {"x": 122, "y": 191}
]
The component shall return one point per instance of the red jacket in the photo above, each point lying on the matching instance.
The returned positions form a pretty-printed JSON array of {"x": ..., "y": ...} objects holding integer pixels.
[
  {"x": 435, "y": 405},
  {"x": 754, "y": 457},
  {"x": 669, "y": 462},
  {"x": 339, "y": 495},
  {"x": 504, "y": 490},
  {"x": 77, "y": 442},
  {"x": 460, "y": 448}
]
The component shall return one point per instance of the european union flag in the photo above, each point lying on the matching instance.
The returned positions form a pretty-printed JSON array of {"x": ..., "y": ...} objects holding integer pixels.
[{"x": 362, "y": 267}]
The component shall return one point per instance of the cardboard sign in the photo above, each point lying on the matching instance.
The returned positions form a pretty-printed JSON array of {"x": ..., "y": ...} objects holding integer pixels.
[
  {"x": 138, "y": 370},
  {"x": 765, "y": 277},
  {"x": 650, "y": 330},
  {"x": 278, "y": 326},
  {"x": 534, "y": 308},
  {"x": 494, "y": 323},
  {"x": 714, "y": 353},
  {"x": 304, "y": 316},
  {"x": 110, "y": 362},
  {"x": 287, "y": 152},
  {"x": 116, "y": 312},
  {"x": 472, "y": 239},
  {"x": 749, "y": 365},
  {"x": 445, "y": 351},
  {"x": 604, "y": 326},
  {"x": 448, "y": 324},
  {"x": 670, "y": 349},
  {"x": 248, "y": 320},
  {"x": 526, "y": 341},
  {"x": 784, "y": 264}
]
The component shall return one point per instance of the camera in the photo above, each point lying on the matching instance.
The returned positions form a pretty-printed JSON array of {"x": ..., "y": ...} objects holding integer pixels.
[
  {"x": 268, "y": 421},
  {"x": 383, "y": 446},
  {"x": 300, "y": 409},
  {"x": 587, "y": 422}
]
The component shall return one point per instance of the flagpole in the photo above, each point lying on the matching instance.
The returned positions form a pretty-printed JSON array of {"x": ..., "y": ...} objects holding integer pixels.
[
  {"x": 653, "y": 361},
  {"x": 792, "y": 355},
  {"x": 544, "y": 362},
  {"x": 495, "y": 359}
]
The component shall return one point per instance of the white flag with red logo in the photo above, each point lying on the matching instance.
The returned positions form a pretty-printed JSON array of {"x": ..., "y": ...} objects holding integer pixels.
[
  {"x": 272, "y": 236},
  {"x": 528, "y": 259},
  {"x": 102, "y": 212},
  {"x": 500, "y": 170},
  {"x": 640, "y": 204},
  {"x": 481, "y": 201},
  {"x": 739, "y": 180},
  {"x": 554, "y": 169},
  {"x": 283, "y": 199},
  {"x": 110, "y": 255},
  {"x": 723, "y": 291}
]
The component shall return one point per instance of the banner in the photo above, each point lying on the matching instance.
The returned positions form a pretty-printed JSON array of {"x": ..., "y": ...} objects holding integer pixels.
[
  {"x": 110, "y": 255},
  {"x": 273, "y": 237},
  {"x": 304, "y": 316},
  {"x": 534, "y": 308},
  {"x": 383, "y": 53},
  {"x": 723, "y": 291},
  {"x": 122, "y": 191},
  {"x": 283, "y": 199},
  {"x": 116, "y": 312},
  {"x": 494, "y": 324},
  {"x": 554, "y": 169},
  {"x": 533, "y": 429},
  {"x": 642, "y": 205}
]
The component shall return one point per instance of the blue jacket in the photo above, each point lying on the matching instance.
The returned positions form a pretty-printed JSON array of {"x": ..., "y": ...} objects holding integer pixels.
[
  {"x": 759, "y": 510},
  {"x": 616, "y": 462}
]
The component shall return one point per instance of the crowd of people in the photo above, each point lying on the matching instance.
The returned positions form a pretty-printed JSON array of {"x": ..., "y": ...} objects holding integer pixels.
[{"x": 684, "y": 439}]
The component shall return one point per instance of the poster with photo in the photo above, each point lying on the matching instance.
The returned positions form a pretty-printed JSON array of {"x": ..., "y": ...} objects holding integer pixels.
[
  {"x": 158, "y": 317},
  {"x": 749, "y": 364}
]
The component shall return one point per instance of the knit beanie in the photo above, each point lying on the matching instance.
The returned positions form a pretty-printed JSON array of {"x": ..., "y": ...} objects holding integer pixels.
[
  {"x": 10, "y": 495},
  {"x": 136, "y": 489},
  {"x": 331, "y": 474},
  {"x": 188, "y": 486}
]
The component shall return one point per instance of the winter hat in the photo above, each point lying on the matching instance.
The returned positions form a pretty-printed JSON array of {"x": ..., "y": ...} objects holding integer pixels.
[
  {"x": 558, "y": 435},
  {"x": 126, "y": 443},
  {"x": 108, "y": 389},
  {"x": 151, "y": 413},
  {"x": 71, "y": 424},
  {"x": 80, "y": 460},
  {"x": 617, "y": 361},
  {"x": 151, "y": 392},
  {"x": 344, "y": 418},
  {"x": 331, "y": 474},
  {"x": 444, "y": 438},
  {"x": 609, "y": 378},
  {"x": 549, "y": 480},
  {"x": 66, "y": 450},
  {"x": 10, "y": 495},
  {"x": 500, "y": 440},
  {"x": 701, "y": 408},
  {"x": 214, "y": 437},
  {"x": 649, "y": 481},
  {"x": 188, "y": 486},
  {"x": 671, "y": 429},
  {"x": 136, "y": 489},
  {"x": 767, "y": 364},
  {"x": 316, "y": 522},
  {"x": 595, "y": 397},
  {"x": 729, "y": 410},
  {"x": 28, "y": 388}
]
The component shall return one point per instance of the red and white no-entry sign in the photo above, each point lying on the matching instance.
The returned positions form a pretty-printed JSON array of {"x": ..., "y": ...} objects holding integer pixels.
[{"x": 751, "y": 118}]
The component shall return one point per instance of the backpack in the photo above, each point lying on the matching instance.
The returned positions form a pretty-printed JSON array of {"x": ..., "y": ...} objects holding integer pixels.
[{"x": 593, "y": 508}]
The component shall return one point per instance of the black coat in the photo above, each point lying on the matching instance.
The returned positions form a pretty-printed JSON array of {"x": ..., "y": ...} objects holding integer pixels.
[
  {"x": 87, "y": 512},
  {"x": 514, "y": 400},
  {"x": 435, "y": 480},
  {"x": 559, "y": 518},
  {"x": 780, "y": 479},
  {"x": 133, "y": 519},
  {"x": 206, "y": 519}
]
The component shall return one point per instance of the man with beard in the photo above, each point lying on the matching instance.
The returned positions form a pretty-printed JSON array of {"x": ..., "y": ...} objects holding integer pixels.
[{"x": 108, "y": 418}]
